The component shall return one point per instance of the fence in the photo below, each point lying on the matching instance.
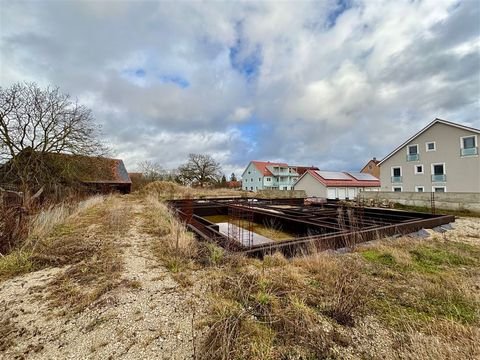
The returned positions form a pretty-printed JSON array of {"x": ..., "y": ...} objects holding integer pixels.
[{"x": 448, "y": 200}]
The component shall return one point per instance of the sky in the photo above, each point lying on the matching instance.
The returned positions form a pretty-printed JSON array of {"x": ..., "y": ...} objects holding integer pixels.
[{"x": 327, "y": 83}]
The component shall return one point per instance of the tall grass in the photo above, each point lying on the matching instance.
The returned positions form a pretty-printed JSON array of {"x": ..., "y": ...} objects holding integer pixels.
[
  {"x": 166, "y": 190},
  {"x": 26, "y": 254},
  {"x": 174, "y": 245}
]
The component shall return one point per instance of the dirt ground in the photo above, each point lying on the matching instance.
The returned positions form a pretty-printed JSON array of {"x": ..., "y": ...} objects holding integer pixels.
[{"x": 157, "y": 319}]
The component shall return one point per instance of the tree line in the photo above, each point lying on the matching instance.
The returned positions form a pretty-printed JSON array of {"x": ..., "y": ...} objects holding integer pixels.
[
  {"x": 199, "y": 170},
  {"x": 35, "y": 122}
]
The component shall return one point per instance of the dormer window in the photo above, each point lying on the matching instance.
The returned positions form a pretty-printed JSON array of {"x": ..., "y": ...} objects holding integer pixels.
[{"x": 412, "y": 153}]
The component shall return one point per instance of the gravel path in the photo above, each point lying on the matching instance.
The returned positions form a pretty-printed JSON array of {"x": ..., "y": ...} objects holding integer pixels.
[{"x": 154, "y": 320}]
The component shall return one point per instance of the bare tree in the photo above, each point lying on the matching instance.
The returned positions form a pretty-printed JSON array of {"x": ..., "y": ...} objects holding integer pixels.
[
  {"x": 200, "y": 169},
  {"x": 35, "y": 121},
  {"x": 152, "y": 171}
]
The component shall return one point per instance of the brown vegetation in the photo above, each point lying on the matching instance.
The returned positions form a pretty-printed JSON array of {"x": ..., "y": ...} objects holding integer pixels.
[{"x": 394, "y": 298}]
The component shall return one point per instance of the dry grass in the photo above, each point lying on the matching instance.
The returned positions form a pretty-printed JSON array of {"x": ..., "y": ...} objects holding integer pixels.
[
  {"x": 420, "y": 294},
  {"x": 166, "y": 190},
  {"x": 83, "y": 237},
  {"x": 174, "y": 245},
  {"x": 40, "y": 249},
  {"x": 276, "y": 308},
  {"x": 13, "y": 228},
  {"x": 94, "y": 256}
]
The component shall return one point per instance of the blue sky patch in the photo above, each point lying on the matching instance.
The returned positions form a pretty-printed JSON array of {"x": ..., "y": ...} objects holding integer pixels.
[
  {"x": 248, "y": 65},
  {"x": 340, "y": 8},
  {"x": 175, "y": 79},
  {"x": 140, "y": 73}
]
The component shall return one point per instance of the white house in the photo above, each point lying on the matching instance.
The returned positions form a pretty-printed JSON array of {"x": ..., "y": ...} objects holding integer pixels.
[
  {"x": 260, "y": 175},
  {"x": 336, "y": 185},
  {"x": 441, "y": 157}
]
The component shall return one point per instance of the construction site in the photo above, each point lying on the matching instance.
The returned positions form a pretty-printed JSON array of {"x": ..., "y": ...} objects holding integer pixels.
[{"x": 295, "y": 226}]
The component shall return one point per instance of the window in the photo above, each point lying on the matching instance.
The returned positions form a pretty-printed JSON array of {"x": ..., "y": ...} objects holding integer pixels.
[
  {"x": 249, "y": 172},
  {"x": 468, "y": 145},
  {"x": 246, "y": 180},
  {"x": 251, "y": 179},
  {"x": 431, "y": 146},
  {"x": 396, "y": 174},
  {"x": 259, "y": 179},
  {"x": 397, "y": 189},
  {"x": 269, "y": 179},
  {"x": 251, "y": 188},
  {"x": 419, "y": 188},
  {"x": 439, "y": 188},
  {"x": 418, "y": 169},
  {"x": 438, "y": 172},
  {"x": 412, "y": 153}
]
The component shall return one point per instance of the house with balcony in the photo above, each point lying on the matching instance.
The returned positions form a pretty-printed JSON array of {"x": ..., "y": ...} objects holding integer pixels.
[
  {"x": 443, "y": 156},
  {"x": 262, "y": 175}
]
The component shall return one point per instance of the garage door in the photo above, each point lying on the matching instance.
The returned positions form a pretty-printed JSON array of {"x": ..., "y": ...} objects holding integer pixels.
[
  {"x": 351, "y": 193},
  {"x": 342, "y": 193},
  {"x": 331, "y": 193}
]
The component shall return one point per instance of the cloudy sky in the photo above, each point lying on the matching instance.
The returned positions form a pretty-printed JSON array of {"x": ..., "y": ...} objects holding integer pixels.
[{"x": 328, "y": 83}]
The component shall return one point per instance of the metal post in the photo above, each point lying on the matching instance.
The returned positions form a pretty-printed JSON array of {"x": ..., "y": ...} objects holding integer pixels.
[{"x": 432, "y": 201}]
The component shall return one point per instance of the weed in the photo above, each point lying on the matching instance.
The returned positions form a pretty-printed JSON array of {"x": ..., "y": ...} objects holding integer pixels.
[
  {"x": 16, "y": 263},
  {"x": 183, "y": 279}
]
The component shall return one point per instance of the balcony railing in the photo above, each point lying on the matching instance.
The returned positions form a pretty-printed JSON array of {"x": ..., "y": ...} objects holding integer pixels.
[
  {"x": 413, "y": 157},
  {"x": 439, "y": 178},
  {"x": 469, "y": 151},
  {"x": 396, "y": 179},
  {"x": 283, "y": 173}
]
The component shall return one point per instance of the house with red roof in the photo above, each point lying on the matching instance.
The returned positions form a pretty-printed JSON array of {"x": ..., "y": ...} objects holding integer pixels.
[
  {"x": 336, "y": 185},
  {"x": 262, "y": 175}
]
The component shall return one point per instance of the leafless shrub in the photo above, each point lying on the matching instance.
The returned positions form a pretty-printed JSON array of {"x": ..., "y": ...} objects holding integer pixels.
[{"x": 13, "y": 228}]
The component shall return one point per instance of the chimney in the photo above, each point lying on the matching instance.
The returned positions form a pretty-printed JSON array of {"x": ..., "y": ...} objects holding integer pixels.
[{"x": 374, "y": 158}]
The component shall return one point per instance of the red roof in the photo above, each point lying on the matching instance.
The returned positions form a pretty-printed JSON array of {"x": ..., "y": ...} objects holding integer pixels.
[
  {"x": 262, "y": 166},
  {"x": 301, "y": 169},
  {"x": 234, "y": 184},
  {"x": 350, "y": 181}
]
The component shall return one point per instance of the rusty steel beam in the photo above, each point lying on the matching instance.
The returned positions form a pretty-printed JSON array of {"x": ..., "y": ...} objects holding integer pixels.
[{"x": 337, "y": 226}]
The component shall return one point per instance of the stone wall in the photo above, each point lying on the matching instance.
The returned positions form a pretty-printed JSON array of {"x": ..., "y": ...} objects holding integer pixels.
[{"x": 448, "y": 200}]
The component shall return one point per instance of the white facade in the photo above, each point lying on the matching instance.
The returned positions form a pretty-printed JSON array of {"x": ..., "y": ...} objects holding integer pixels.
[
  {"x": 315, "y": 187},
  {"x": 280, "y": 176},
  {"x": 442, "y": 157}
]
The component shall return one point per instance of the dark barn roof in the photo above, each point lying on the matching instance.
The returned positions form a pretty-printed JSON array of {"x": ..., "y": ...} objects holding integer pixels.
[{"x": 70, "y": 169}]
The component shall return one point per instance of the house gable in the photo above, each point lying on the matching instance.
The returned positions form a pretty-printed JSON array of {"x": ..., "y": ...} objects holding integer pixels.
[{"x": 434, "y": 122}]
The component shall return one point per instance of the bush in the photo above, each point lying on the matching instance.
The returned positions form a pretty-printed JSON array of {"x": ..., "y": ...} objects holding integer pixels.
[{"x": 13, "y": 228}]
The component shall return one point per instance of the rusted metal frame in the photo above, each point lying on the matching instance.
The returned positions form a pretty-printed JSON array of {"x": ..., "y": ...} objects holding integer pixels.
[
  {"x": 334, "y": 241},
  {"x": 290, "y": 218}
]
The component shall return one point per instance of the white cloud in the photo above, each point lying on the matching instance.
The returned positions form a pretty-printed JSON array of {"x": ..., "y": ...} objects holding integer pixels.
[{"x": 161, "y": 80}]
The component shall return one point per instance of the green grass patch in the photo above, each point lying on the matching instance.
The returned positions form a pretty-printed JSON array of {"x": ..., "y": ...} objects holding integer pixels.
[
  {"x": 420, "y": 308},
  {"x": 375, "y": 256},
  {"x": 432, "y": 259}
]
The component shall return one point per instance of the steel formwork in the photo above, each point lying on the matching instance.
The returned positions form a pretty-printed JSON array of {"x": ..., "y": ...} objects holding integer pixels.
[{"x": 316, "y": 226}]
